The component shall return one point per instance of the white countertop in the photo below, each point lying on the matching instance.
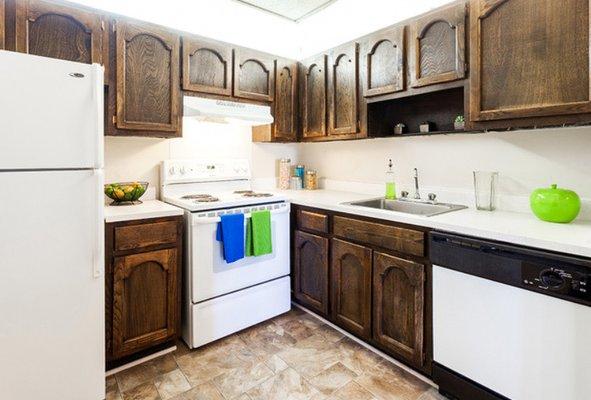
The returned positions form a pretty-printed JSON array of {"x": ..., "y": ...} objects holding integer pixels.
[
  {"x": 511, "y": 227},
  {"x": 148, "y": 209}
]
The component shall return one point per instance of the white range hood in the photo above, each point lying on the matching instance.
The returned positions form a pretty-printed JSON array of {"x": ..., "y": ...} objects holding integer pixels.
[{"x": 226, "y": 112}]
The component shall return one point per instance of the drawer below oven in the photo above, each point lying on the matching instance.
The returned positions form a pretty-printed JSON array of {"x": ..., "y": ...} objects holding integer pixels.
[{"x": 216, "y": 318}]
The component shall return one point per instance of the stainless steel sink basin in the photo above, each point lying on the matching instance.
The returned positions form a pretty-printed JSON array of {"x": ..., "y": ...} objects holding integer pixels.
[{"x": 408, "y": 206}]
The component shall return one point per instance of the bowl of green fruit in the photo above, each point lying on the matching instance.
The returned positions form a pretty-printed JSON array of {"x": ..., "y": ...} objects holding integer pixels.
[{"x": 125, "y": 193}]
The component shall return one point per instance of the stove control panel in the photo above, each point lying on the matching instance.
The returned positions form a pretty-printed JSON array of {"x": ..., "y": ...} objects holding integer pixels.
[
  {"x": 186, "y": 171},
  {"x": 568, "y": 281}
]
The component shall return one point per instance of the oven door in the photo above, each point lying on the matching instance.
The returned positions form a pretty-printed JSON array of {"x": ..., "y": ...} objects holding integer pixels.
[{"x": 211, "y": 276}]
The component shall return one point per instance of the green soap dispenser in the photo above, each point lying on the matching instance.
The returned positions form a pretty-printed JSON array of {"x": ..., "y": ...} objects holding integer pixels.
[{"x": 390, "y": 184}]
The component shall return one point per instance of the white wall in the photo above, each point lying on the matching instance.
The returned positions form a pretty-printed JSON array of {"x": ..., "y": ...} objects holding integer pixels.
[
  {"x": 131, "y": 159},
  {"x": 525, "y": 160}
]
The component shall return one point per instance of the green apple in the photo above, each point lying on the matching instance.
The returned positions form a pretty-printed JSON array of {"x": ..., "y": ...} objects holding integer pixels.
[{"x": 555, "y": 205}]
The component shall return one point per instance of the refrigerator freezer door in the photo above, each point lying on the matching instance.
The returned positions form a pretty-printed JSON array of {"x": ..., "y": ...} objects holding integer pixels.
[
  {"x": 52, "y": 285},
  {"x": 51, "y": 113}
]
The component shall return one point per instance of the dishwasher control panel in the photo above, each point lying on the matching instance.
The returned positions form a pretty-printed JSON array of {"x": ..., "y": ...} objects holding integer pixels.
[{"x": 571, "y": 282}]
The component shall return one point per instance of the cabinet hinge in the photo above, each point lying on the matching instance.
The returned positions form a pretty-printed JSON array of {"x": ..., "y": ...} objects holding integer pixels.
[
  {"x": 114, "y": 119},
  {"x": 102, "y": 25}
]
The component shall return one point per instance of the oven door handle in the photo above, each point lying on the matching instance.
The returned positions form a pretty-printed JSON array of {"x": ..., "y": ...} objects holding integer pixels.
[{"x": 212, "y": 220}]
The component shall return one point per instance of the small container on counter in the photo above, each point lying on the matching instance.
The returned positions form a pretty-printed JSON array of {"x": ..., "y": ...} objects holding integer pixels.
[
  {"x": 284, "y": 173},
  {"x": 299, "y": 171},
  {"x": 311, "y": 180},
  {"x": 296, "y": 183}
]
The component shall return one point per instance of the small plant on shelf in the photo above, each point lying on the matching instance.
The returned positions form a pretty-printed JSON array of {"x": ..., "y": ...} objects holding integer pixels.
[{"x": 459, "y": 123}]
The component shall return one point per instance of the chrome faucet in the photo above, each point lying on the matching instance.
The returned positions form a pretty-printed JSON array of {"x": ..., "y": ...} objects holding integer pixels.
[{"x": 417, "y": 194}]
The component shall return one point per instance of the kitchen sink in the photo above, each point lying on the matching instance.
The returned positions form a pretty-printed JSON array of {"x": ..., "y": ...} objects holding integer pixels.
[{"x": 408, "y": 206}]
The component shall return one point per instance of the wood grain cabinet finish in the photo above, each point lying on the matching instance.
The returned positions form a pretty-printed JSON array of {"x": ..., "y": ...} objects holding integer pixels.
[
  {"x": 384, "y": 61},
  {"x": 350, "y": 277},
  {"x": 437, "y": 46},
  {"x": 254, "y": 75},
  {"x": 285, "y": 106},
  {"x": 311, "y": 271},
  {"x": 148, "y": 87},
  {"x": 2, "y": 24},
  {"x": 144, "y": 310},
  {"x": 398, "y": 306},
  {"x": 343, "y": 73},
  {"x": 313, "y": 97},
  {"x": 58, "y": 31},
  {"x": 207, "y": 66},
  {"x": 529, "y": 58},
  {"x": 312, "y": 221}
]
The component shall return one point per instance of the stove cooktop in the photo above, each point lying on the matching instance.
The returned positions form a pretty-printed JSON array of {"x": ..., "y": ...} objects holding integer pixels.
[{"x": 213, "y": 201}]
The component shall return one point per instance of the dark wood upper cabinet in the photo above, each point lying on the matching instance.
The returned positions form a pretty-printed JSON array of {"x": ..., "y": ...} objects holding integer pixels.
[
  {"x": 144, "y": 308},
  {"x": 437, "y": 46},
  {"x": 254, "y": 75},
  {"x": 313, "y": 97},
  {"x": 529, "y": 58},
  {"x": 59, "y": 31},
  {"x": 285, "y": 105},
  {"x": 351, "y": 287},
  {"x": 383, "y": 58},
  {"x": 343, "y": 89},
  {"x": 207, "y": 66},
  {"x": 311, "y": 271},
  {"x": 398, "y": 306},
  {"x": 148, "y": 87},
  {"x": 2, "y": 24}
]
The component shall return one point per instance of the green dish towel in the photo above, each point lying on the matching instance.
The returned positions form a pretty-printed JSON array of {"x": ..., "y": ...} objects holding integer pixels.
[{"x": 258, "y": 234}]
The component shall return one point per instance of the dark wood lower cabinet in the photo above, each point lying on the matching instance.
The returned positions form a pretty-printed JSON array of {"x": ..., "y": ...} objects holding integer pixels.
[
  {"x": 398, "y": 306},
  {"x": 311, "y": 271},
  {"x": 351, "y": 287},
  {"x": 142, "y": 286}
]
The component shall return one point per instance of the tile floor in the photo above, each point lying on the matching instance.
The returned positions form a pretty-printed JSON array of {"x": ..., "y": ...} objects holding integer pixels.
[{"x": 292, "y": 357}]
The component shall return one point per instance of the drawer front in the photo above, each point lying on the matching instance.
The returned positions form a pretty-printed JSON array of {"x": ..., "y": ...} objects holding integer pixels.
[
  {"x": 313, "y": 221},
  {"x": 144, "y": 235},
  {"x": 402, "y": 240}
]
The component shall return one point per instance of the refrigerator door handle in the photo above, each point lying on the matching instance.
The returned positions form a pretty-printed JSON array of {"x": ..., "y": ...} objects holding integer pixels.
[{"x": 98, "y": 252}]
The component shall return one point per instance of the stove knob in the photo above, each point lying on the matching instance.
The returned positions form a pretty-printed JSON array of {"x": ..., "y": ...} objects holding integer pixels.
[
  {"x": 171, "y": 170},
  {"x": 552, "y": 279},
  {"x": 182, "y": 171}
]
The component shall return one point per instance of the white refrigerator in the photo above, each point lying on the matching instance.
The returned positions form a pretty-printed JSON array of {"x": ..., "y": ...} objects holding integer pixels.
[{"x": 51, "y": 229}]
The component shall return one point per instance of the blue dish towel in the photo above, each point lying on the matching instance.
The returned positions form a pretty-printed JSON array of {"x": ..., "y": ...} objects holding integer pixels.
[{"x": 230, "y": 232}]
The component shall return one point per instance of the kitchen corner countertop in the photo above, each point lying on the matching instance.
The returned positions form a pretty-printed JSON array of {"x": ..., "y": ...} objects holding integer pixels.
[
  {"x": 510, "y": 227},
  {"x": 148, "y": 209}
]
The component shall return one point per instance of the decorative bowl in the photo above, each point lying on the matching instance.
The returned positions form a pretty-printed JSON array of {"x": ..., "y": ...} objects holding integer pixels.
[{"x": 125, "y": 192}]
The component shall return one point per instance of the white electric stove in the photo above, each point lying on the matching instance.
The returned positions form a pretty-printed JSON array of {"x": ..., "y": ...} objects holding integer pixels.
[{"x": 221, "y": 298}]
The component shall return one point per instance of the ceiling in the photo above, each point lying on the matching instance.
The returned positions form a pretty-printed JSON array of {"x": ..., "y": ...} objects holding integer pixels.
[{"x": 294, "y": 10}]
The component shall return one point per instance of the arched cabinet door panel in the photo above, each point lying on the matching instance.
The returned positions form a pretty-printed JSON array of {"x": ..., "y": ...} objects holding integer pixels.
[
  {"x": 313, "y": 99},
  {"x": 529, "y": 58},
  {"x": 58, "y": 31},
  {"x": 311, "y": 271},
  {"x": 350, "y": 278},
  {"x": 144, "y": 306},
  {"x": 437, "y": 47},
  {"x": 285, "y": 105},
  {"x": 383, "y": 58},
  {"x": 254, "y": 75},
  {"x": 207, "y": 66},
  {"x": 148, "y": 87},
  {"x": 343, "y": 105},
  {"x": 398, "y": 306}
]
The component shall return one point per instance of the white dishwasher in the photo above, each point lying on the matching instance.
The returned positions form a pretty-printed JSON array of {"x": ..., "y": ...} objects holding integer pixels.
[{"x": 509, "y": 322}]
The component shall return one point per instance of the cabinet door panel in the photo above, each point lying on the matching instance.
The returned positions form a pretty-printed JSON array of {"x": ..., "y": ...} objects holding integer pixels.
[
  {"x": 351, "y": 287},
  {"x": 254, "y": 75},
  {"x": 438, "y": 47},
  {"x": 147, "y": 78},
  {"x": 2, "y": 25},
  {"x": 311, "y": 271},
  {"x": 529, "y": 58},
  {"x": 207, "y": 66},
  {"x": 314, "y": 97},
  {"x": 342, "y": 90},
  {"x": 285, "y": 105},
  {"x": 58, "y": 31},
  {"x": 398, "y": 306},
  {"x": 144, "y": 300},
  {"x": 384, "y": 61}
]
